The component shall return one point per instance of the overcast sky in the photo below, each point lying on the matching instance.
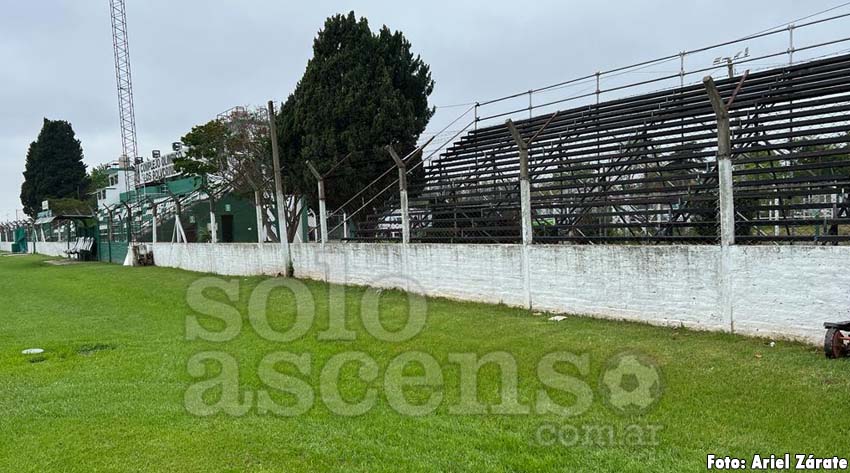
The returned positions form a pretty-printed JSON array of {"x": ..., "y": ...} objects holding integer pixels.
[{"x": 192, "y": 59}]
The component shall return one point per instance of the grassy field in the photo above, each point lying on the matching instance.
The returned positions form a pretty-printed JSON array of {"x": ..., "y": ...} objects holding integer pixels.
[{"x": 109, "y": 393}]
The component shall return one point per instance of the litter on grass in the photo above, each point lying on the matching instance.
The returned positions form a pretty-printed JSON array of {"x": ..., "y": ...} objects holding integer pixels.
[{"x": 32, "y": 351}]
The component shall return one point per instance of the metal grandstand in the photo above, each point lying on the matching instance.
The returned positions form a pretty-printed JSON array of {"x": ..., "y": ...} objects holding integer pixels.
[{"x": 641, "y": 168}]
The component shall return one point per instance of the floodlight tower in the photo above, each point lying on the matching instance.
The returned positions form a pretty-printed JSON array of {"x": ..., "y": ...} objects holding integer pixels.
[{"x": 123, "y": 78}]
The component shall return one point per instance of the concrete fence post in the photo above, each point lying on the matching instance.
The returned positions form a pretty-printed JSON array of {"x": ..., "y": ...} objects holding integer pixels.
[
  {"x": 524, "y": 185},
  {"x": 524, "y": 179},
  {"x": 726, "y": 198},
  {"x": 154, "y": 221},
  {"x": 724, "y": 164},
  {"x": 323, "y": 210},
  {"x": 280, "y": 199},
  {"x": 525, "y": 202},
  {"x": 213, "y": 223},
  {"x": 129, "y": 222},
  {"x": 258, "y": 204},
  {"x": 402, "y": 188}
]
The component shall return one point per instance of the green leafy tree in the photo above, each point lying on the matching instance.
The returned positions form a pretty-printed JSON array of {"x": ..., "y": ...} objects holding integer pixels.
[
  {"x": 232, "y": 154},
  {"x": 360, "y": 92},
  {"x": 98, "y": 177},
  {"x": 206, "y": 149},
  {"x": 54, "y": 167},
  {"x": 71, "y": 206}
]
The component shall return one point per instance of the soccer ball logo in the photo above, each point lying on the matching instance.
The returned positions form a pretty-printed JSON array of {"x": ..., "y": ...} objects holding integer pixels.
[{"x": 631, "y": 384}]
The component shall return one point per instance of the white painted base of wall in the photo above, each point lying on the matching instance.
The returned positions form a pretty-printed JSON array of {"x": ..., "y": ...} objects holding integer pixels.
[
  {"x": 6, "y": 246},
  {"x": 49, "y": 248},
  {"x": 229, "y": 259},
  {"x": 773, "y": 291}
]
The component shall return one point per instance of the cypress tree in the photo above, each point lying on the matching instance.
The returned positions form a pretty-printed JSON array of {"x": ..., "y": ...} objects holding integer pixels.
[
  {"x": 361, "y": 91},
  {"x": 54, "y": 167}
]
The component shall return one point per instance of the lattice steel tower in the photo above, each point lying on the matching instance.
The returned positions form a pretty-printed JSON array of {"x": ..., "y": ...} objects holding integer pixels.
[{"x": 123, "y": 78}]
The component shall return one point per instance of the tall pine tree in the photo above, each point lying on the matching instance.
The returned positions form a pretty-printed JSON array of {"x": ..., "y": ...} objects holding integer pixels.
[{"x": 54, "y": 168}]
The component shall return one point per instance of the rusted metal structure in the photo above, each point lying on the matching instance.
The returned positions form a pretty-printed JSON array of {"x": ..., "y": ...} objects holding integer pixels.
[{"x": 643, "y": 169}]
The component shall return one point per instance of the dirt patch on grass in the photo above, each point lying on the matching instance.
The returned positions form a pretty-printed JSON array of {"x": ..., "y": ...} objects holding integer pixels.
[
  {"x": 91, "y": 349},
  {"x": 63, "y": 262}
]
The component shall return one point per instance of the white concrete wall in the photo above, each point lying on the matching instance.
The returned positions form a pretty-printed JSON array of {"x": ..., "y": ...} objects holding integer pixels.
[
  {"x": 48, "y": 248},
  {"x": 6, "y": 246},
  {"x": 669, "y": 285},
  {"x": 789, "y": 290},
  {"x": 230, "y": 259},
  {"x": 775, "y": 291},
  {"x": 485, "y": 273}
]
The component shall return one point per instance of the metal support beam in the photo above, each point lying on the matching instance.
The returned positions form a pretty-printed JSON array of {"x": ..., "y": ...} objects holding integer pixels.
[
  {"x": 724, "y": 164},
  {"x": 323, "y": 211},
  {"x": 402, "y": 189},
  {"x": 179, "y": 235},
  {"x": 109, "y": 216}
]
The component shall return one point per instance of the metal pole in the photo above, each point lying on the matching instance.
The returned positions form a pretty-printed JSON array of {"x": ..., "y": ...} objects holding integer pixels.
[
  {"x": 323, "y": 212},
  {"x": 278, "y": 191},
  {"x": 598, "y": 90},
  {"x": 402, "y": 188},
  {"x": 724, "y": 164},
  {"x": 790, "y": 45},
  {"x": 179, "y": 233},
  {"x": 776, "y": 217},
  {"x": 155, "y": 222},
  {"x": 109, "y": 232}
]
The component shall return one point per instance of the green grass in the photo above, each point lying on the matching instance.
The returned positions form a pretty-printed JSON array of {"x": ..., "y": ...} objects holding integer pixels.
[{"x": 108, "y": 393}]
